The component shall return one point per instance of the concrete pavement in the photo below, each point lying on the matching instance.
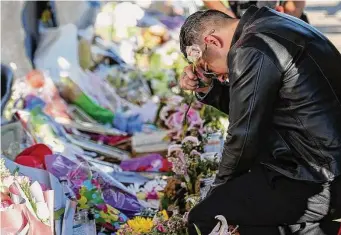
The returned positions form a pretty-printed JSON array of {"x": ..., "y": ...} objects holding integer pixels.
[{"x": 326, "y": 17}]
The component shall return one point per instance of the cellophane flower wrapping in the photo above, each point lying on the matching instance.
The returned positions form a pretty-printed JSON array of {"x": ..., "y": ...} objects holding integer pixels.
[
  {"x": 153, "y": 162},
  {"x": 26, "y": 206},
  {"x": 173, "y": 114},
  {"x": 95, "y": 189}
]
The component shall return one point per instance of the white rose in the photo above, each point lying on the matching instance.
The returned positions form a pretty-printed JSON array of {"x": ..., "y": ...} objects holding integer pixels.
[{"x": 194, "y": 53}]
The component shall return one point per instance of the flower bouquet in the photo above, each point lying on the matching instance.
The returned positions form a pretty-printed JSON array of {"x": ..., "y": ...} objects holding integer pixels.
[
  {"x": 25, "y": 207},
  {"x": 190, "y": 167},
  {"x": 160, "y": 224},
  {"x": 150, "y": 193},
  {"x": 96, "y": 190},
  {"x": 173, "y": 114}
]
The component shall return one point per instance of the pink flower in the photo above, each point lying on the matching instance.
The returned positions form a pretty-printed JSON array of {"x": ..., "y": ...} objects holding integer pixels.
[
  {"x": 161, "y": 228},
  {"x": 175, "y": 120},
  {"x": 194, "y": 117},
  {"x": 152, "y": 195}
]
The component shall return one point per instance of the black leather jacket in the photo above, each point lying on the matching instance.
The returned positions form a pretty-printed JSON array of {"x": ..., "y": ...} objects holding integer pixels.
[{"x": 283, "y": 99}]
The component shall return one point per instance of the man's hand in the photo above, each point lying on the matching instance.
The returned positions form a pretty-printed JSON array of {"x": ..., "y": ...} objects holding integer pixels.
[{"x": 189, "y": 80}]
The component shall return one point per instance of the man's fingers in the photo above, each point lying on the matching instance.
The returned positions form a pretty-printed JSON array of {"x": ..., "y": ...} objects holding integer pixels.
[
  {"x": 187, "y": 84},
  {"x": 192, "y": 83},
  {"x": 188, "y": 87},
  {"x": 189, "y": 72},
  {"x": 201, "y": 75}
]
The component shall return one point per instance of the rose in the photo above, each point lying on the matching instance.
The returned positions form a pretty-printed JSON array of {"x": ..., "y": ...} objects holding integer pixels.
[{"x": 194, "y": 53}]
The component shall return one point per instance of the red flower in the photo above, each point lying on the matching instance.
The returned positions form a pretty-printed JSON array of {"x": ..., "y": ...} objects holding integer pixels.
[{"x": 166, "y": 166}]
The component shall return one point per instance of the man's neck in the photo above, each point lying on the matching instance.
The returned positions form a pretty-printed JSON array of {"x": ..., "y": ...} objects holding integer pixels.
[{"x": 229, "y": 32}]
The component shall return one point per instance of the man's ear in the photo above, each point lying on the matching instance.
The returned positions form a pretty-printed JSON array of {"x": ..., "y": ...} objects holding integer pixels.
[
  {"x": 213, "y": 40},
  {"x": 280, "y": 9}
]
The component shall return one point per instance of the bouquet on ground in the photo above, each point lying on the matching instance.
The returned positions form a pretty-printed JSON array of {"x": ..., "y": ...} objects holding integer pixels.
[
  {"x": 32, "y": 201},
  {"x": 190, "y": 166},
  {"x": 173, "y": 114},
  {"x": 150, "y": 193},
  {"x": 94, "y": 189},
  {"x": 161, "y": 223}
]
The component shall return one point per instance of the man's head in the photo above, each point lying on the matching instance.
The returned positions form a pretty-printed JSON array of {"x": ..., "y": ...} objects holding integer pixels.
[{"x": 212, "y": 30}]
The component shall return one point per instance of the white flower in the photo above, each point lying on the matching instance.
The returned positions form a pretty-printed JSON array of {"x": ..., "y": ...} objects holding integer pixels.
[
  {"x": 154, "y": 185},
  {"x": 43, "y": 212},
  {"x": 222, "y": 228},
  {"x": 4, "y": 172},
  {"x": 194, "y": 53},
  {"x": 192, "y": 139},
  {"x": 22, "y": 180},
  {"x": 195, "y": 152},
  {"x": 134, "y": 188},
  {"x": 173, "y": 148},
  {"x": 164, "y": 112}
]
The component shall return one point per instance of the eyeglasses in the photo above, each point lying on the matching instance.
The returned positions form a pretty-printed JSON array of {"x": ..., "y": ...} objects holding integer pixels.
[{"x": 209, "y": 74}]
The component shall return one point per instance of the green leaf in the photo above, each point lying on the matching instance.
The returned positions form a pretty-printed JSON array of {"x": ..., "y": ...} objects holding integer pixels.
[
  {"x": 197, "y": 229},
  {"x": 58, "y": 214},
  {"x": 16, "y": 171}
]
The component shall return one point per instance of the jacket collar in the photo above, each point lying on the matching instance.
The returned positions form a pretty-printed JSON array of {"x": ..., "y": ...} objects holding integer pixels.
[{"x": 242, "y": 22}]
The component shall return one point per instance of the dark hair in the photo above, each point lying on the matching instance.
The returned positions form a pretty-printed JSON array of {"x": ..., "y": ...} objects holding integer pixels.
[{"x": 196, "y": 24}]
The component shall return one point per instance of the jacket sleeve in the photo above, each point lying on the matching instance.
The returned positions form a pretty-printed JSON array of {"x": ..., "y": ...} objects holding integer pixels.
[
  {"x": 218, "y": 96},
  {"x": 254, "y": 85}
]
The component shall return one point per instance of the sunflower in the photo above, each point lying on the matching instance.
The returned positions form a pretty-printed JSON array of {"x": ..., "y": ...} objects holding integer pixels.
[{"x": 141, "y": 225}]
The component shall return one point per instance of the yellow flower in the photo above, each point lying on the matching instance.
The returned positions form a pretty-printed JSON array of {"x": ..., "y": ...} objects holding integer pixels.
[
  {"x": 83, "y": 202},
  {"x": 141, "y": 225},
  {"x": 164, "y": 214}
]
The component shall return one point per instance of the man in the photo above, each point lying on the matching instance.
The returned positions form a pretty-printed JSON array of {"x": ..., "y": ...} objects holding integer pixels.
[
  {"x": 281, "y": 164},
  {"x": 237, "y": 8}
]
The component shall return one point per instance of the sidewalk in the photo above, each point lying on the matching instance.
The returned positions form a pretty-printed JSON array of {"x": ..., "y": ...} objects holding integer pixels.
[{"x": 326, "y": 17}]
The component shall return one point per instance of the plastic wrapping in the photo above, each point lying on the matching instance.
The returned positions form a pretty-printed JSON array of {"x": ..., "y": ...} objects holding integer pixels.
[
  {"x": 152, "y": 162},
  {"x": 87, "y": 181}
]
